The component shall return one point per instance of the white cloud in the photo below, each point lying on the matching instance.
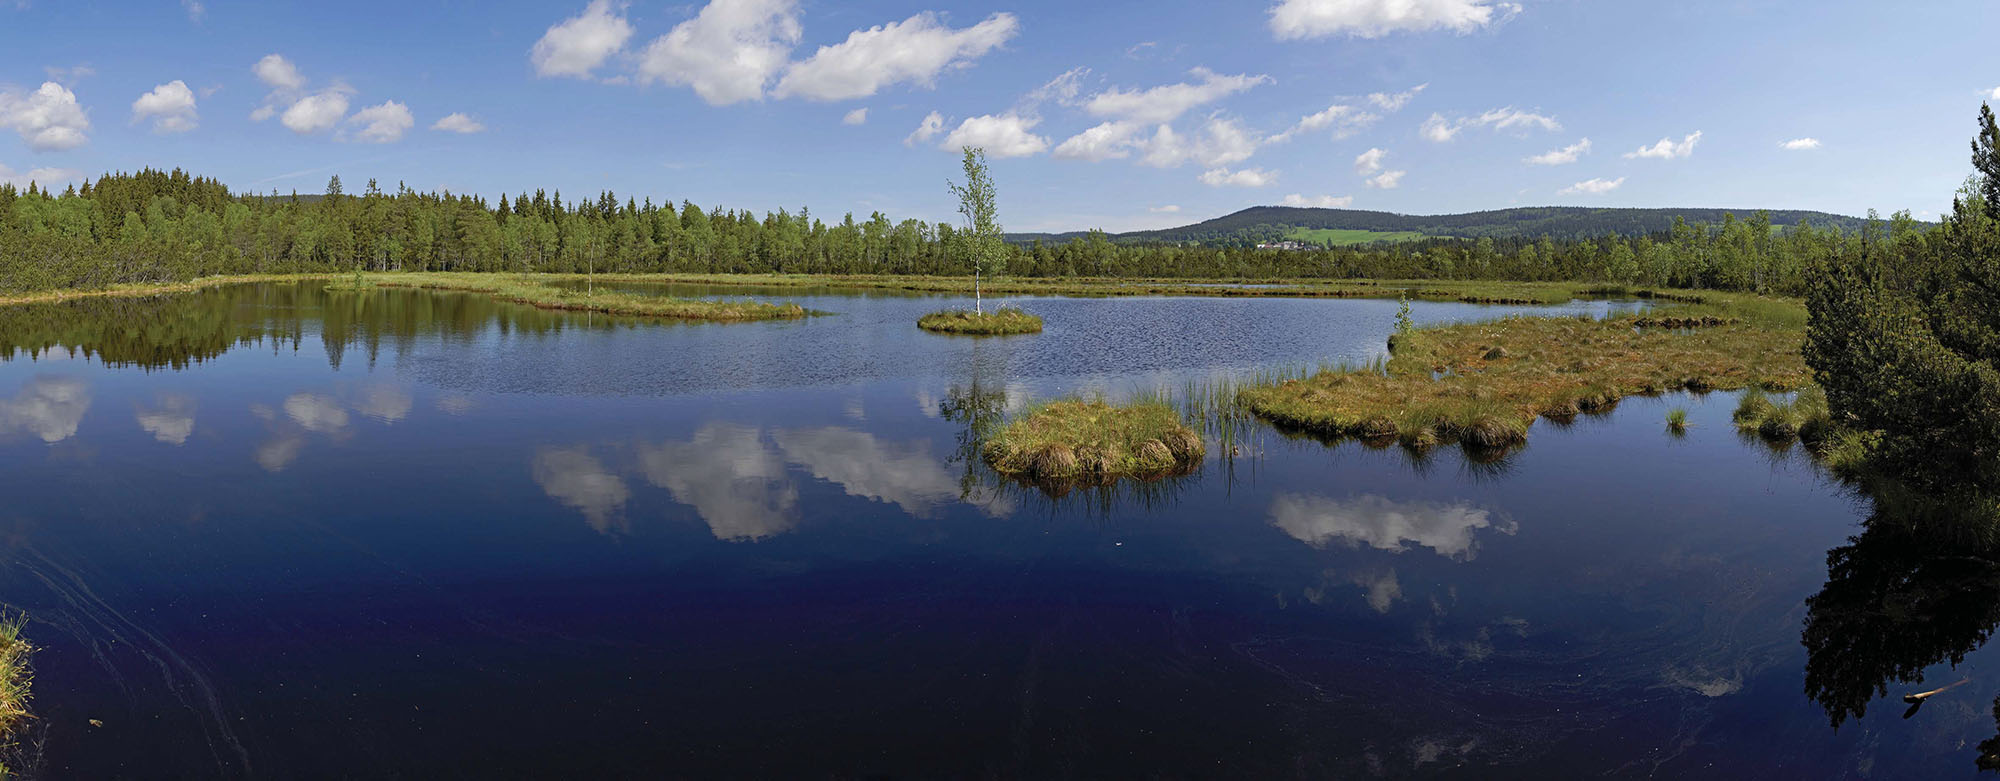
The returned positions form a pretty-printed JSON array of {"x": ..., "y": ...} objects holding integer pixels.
[
  {"x": 1440, "y": 130},
  {"x": 730, "y": 477},
  {"x": 576, "y": 478},
  {"x": 1370, "y": 161},
  {"x": 1320, "y": 202},
  {"x": 928, "y": 129},
  {"x": 68, "y": 77},
  {"x": 49, "y": 118},
  {"x": 914, "y": 50},
  {"x": 577, "y": 45},
  {"x": 50, "y": 408},
  {"x": 727, "y": 52},
  {"x": 383, "y": 124},
  {"x": 316, "y": 412},
  {"x": 194, "y": 9},
  {"x": 170, "y": 105},
  {"x": 1166, "y": 102},
  {"x": 1001, "y": 135},
  {"x": 1592, "y": 187},
  {"x": 1305, "y": 19},
  {"x": 1994, "y": 95},
  {"x": 1801, "y": 144},
  {"x": 42, "y": 176},
  {"x": 172, "y": 423},
  {"x": 1344, "y": 119},
  {"x": 459, "y": 123},
  {"x": 278, "y": 73},
  {"x": 1248, "y": 177},
  {"x": 1395, "y": 101},
  {"x": 1104, "y": 142},
  {"x": 1387, "y": 180},
  {"x": 316, "y": 113},
  {"x": 1563, "y": 156},
  {"x": 1171, "y": 208},
  {"x": 1062, "y": 89},
  {"x": 858, "y": 116},
  {"x": 1222, "y": 141},
  {"x": 1667, "y": 148}
]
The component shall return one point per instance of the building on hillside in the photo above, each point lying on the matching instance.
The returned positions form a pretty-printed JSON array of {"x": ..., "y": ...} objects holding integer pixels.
[{"x": 1285, "y": 245}]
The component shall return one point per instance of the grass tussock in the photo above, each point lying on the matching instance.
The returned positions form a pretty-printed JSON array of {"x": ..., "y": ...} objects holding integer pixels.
[
  {"x": 1803, "y": 418},
  {"x": 999, "y": 321},
  {"x": 1483, "y": 384},
  {"x": 541, "y": 291},
  {"x": 1091, "y": 441},
  {"x": 1677, "y": 420},
  {"x": 14, "y": 677}
]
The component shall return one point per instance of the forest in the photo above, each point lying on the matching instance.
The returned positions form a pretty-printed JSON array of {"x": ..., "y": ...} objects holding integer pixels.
[{"x": 167, "y": 226}]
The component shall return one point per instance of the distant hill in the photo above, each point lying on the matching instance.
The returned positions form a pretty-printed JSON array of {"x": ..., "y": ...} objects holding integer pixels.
[{"x": 1269, "y": 223}]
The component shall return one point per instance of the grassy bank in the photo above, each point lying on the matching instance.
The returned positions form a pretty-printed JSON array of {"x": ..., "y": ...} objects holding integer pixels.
[
  {"x": 1006, "y": 320},
  {"x": 1094, "y": 442},
  {"x": 1484, "y": 384},
  {"x": 154, "y": 288},
  {"x": 14, "y": 680},
  {"x": 543, "y": 291}
]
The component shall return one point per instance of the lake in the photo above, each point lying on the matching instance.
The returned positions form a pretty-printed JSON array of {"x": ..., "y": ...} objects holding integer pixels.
[{"x": 272, "y": 530}]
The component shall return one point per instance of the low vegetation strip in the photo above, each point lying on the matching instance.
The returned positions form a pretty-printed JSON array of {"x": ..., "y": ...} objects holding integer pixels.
[
  {"x": 14, "y": 678},
  {"x": 1091, "y": 441},
  {"x": 542, "y": 292},
  {"x": 992, "y": 323},
  {"x": 1483, "y": 384}
]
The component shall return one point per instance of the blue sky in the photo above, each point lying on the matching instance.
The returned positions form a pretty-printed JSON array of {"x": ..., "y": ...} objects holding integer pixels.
[{"x": 1098, "y": 114}]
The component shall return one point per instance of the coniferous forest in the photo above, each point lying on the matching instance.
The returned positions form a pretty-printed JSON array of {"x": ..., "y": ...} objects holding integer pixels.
[{"x": 164, "y": 226}]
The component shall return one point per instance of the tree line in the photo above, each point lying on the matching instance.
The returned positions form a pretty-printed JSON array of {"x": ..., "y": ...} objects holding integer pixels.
[{"x": 163, "y": 226}]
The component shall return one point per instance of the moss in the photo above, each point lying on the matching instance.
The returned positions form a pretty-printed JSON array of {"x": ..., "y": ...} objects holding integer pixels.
[
  {"x": 1006, "y": 320},
  {"x": 1094, "y": 442}
]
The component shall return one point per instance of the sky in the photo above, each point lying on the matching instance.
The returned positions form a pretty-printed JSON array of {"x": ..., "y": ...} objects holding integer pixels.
[{"x": 1102, "y": 114}]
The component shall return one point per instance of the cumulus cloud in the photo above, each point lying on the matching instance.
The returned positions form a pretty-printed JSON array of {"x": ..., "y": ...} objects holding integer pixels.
[
  {"x": 1387, "y": 180},
  {"x": 1592, "y": 187},
  {"x": 1369, "y": 164},
  {"x": 1166, "y": 102},
  {"x": 1344, "y": 119},
  {"x": 316, "y": 113},
  {"x": 1563, "y": 156},
  {"x": 1220, "y": 142},
  {"x": 1307, "y": 19},
  {"x": 1438, "y": 129},
  {"x": 1248, "y": 177},
  {"x": 1106, "y": 141},
  {"x": 731, "y": 479},
  {"x": 43, "y": 176},
  {"x": 279, "y": 73},
  {"x": 1667, "y": 148},
  {"x": 383, "y": 124},
  {"x": 1797, "y": 144},
  {"x": 929, "y": 128},
  {"x": 49, "y": 118},
  {"x": 1994, "y": 95},
  {"x": 1001, "y": 135},
  {"x": 1320, "y": 202},
  {"x": 726, "y": 53},
  {"x": 858, "y": 116},
  {"x": 578, "y": 45},
  {"x": 459, "y": 123},
  {"x": 1384, "y": 524},
  {"x": 1395, "y": 101},
  {"x": 577, "y": 479},
  {"x": 170, "y": 106},
  {"x": 914, "y": 50}
]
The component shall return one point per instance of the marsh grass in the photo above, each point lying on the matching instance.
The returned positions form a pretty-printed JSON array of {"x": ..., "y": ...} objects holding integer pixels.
[
  {"x": 1484, "y": 384},
  {"x": 1677, "y": 420},
  {"x": 15, "y": 678},
  {"x": 995, "y": 322},
  {"x": 542, "y": 291},
  {"x": 1090, "y": 441},
  {"x": 353, "y": 282},
  {"x": 1803, "y": 417}
]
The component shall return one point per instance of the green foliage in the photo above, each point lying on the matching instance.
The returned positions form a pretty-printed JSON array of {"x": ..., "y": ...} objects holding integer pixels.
[
  {"x": 984, "y": 246},
  {"x": 15, "y": 678},
  {"x": 1677, "y": 420},
  {"x": 1342, "y": 237},
  {"x": 1092, "y": 441},
  {"x": 1006, "y": 320}
]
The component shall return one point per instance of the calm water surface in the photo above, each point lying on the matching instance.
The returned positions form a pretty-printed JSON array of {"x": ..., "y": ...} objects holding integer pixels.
[{"x": 276, "y": 531}]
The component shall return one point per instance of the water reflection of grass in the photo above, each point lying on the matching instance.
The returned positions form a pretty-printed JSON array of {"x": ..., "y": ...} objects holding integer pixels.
[
  {"x": 1000, "y": 321},
  {"x": 1484, "y": 383}
]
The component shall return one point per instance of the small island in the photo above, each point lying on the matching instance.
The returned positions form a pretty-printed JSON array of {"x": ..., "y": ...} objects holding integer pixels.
[
  {"x": 1005, "y": 320},
  {"x": 1092, "y": 441}
]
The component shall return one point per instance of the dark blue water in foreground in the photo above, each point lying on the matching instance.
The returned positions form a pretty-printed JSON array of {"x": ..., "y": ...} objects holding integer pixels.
[{"x": 281, "y": 532}]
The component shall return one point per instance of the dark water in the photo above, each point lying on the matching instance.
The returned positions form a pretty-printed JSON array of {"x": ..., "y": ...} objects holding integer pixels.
[{"x": 281, "y": 532}]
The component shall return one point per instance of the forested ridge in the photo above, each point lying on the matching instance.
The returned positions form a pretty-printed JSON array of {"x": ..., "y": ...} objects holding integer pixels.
[
  {"x": 164, "y": 226},
  {"x": 1257, "y": 224}
]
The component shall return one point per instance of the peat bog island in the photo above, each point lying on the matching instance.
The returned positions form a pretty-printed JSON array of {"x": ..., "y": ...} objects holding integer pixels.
[{"x": 766, "y": 389}]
